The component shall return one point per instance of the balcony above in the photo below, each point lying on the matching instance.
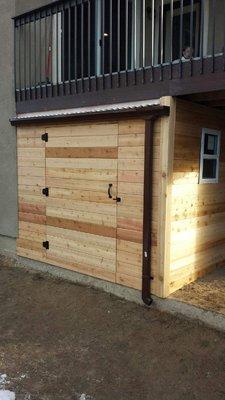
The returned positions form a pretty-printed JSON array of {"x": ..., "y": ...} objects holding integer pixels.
[{"x": 92, "y": 52}]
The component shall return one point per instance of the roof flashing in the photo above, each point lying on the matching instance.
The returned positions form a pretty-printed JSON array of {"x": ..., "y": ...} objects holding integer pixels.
[{"x": 140, "y": 106}]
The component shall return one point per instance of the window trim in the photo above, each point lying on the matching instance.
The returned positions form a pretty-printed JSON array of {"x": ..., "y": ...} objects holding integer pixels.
[{"x": 203, "y": 156}]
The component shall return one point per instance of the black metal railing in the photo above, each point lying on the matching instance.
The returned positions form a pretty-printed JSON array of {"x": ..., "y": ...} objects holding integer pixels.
[{"x": 71, "y": 46}]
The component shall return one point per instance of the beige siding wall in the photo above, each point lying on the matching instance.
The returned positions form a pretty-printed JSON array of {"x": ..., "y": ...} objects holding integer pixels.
[{"x": 197, "y": 210}]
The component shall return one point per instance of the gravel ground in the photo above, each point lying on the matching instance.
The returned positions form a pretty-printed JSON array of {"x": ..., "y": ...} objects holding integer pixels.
[
  {"x": 62, "y": 341},
  {"x": 207, "y": 292}
]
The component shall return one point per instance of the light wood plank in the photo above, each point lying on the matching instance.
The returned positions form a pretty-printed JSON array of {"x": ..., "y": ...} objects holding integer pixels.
[
  {"x": 81, "y": 163},
  {"x": 83, "y": 141},
  {"x": 82, "y": 174},
  {"x": 101, "y": 129}
]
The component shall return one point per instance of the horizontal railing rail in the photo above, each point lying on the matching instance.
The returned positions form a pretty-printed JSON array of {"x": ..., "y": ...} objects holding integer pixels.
[{"x": 74, "y": 46}]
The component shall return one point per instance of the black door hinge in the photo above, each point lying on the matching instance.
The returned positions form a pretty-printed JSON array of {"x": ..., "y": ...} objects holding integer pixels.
[
  {"x": 46, "y": 244},
  {"x": 44, "y": 137},
  {"x": 45, "y": 191}
]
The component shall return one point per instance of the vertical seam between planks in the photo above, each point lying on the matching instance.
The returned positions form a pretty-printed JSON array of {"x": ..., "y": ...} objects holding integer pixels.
[
  {"x": 116, "y": 202},
  {"x": 45, "y": 197}
]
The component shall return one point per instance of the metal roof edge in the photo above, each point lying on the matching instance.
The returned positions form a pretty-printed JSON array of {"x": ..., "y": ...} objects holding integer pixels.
[{"x": 76, "y": 113}]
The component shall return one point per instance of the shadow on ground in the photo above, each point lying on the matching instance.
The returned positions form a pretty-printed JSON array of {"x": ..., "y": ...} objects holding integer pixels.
[{"x": 59, "y": 340}]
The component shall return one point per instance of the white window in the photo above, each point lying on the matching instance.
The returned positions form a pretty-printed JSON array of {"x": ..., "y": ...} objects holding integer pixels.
[{"x": 209, "y": 161}]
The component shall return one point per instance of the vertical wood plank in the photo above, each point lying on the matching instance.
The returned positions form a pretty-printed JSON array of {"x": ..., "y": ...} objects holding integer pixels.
[{"x": 165, "y": 197}]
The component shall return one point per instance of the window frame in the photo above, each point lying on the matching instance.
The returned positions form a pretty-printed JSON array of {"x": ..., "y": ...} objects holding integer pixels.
[{"x": 203, "y": 156}]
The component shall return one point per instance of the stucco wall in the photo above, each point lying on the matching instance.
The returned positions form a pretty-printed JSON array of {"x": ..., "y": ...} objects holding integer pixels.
[
  {"x": 8, "y": 176},
  {"x": 8, "y": 173},
  {"x": 23, "y": 6}
]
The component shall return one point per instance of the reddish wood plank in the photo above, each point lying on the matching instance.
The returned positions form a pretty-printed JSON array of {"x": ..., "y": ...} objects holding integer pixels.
[
  {"x": 81, "y": 226},
  {"x": 82, "y": 152}
]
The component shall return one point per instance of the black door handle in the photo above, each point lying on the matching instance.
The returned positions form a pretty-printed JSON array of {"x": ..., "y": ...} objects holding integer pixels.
[
  {"x": 109, "y": 190},
  {"x": 117, "y": 199}
]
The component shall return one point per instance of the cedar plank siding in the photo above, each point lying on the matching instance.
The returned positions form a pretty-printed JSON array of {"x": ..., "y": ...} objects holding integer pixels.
[
  {"x": 99, "y": 238},
  {"x": 197, "y": 210}
]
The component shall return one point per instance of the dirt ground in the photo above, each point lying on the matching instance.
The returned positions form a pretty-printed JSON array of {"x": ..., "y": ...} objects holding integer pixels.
[
  {"x": 62, "y": 341},
  {"x": 207, "y": 292}
]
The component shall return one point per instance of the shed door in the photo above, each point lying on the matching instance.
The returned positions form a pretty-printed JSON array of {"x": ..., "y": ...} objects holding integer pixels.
[
  {"x": 32, "y": 203},
  {"x": 81, "y": 219}
]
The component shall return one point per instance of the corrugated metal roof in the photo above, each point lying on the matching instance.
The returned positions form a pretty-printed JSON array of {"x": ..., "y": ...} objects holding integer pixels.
[{"x": 119, "y": 107}]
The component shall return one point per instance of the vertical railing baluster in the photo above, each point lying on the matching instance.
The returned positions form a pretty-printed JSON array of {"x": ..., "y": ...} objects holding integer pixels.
[
  {"x": 161, "y": 39},
  {"x": 20, "y": 80},
  {"x": 82, "y": 46},
  {"x": 69, "y": 47},
  {"x": 118, "y": 44},
  {"x": 29, "y": 60},
  {"x": 51, "y": 49},
  {"x": 171, "y": 39},
  {"x": 35, "y": 57},
  {"x": 224, "y": 40},
  {"x": 63, "y": 64},
  {"x": 223, "y": 48},
  {"x": 135, "y": 43},
  {"x": 40, "y": 57},
  {"x": 89, "y": 46},
  {"x": 181, "y": 35},
  {"x": 25, "y": 57},
  {"x": 110, "y": 41},
  {"x": 153, "y": 41},
  {"x": 191, "y": 35},
  {"x": 143, "y": 40},
  {"x": 213, "y": 33},
  {"x": 103, "y": 41},
  {"x": 202, "y": 36},
  {"x": 15, "y": 58},
  {"x": 135, "y": 34},
  {"x": 127, "y": 44},
  {"x": 57, "y": 51},
  {"x": 46, "y": 53},
  {"x": 75, "y": 46}
]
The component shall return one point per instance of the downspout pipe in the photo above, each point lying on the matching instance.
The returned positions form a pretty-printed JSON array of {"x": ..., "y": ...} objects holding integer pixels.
[{"x": 147, "y": 213}]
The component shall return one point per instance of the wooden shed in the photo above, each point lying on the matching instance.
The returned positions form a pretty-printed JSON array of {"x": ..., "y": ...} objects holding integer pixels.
[{"x": 119, "y": 196}]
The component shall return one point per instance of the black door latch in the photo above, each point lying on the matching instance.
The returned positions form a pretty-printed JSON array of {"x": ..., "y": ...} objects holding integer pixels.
[
  {"x": 45, "y": 191},
  {"x": 117, "y": 199},
  {"x": 46, "y": 245},
  {"x": 44, "y": 137}
]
